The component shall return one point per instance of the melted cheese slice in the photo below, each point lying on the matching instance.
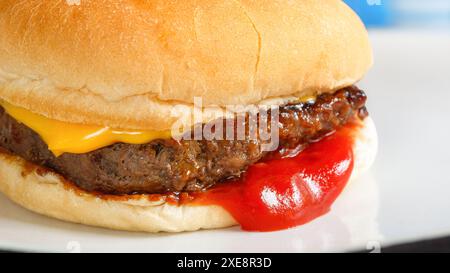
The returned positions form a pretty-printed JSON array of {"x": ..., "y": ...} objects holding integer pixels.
[{"x": 63, "y": 137}]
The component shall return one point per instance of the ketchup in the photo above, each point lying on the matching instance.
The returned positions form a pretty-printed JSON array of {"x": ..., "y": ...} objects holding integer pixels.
[{"x": 285, "y": 192}]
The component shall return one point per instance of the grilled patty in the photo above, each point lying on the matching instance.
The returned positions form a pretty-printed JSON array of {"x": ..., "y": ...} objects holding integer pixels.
[{"x": 167, "y": 165}]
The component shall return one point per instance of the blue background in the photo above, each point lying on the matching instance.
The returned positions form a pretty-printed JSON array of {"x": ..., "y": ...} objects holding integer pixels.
[{"x": 403, "y": 13}]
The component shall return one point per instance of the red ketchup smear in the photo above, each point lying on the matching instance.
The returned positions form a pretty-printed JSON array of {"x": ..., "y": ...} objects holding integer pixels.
[{"x": 287, "y": 192}]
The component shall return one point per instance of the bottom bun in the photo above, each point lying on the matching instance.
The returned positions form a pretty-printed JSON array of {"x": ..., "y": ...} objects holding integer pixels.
[{"x": 47, "y": 193}]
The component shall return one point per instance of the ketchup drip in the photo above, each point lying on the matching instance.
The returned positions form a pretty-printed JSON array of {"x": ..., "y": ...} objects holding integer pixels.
[{"x": 285, "y": 192}]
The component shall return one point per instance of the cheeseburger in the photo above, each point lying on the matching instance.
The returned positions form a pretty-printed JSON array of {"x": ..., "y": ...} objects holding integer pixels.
[{"x": 100, "y": 120}]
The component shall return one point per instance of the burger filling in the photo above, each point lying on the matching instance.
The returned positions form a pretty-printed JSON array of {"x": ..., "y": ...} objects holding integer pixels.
[{"x": 168, "y": 165}]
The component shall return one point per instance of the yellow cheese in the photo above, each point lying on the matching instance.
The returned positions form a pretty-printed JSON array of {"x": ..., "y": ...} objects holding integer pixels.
[
  {"x": 309, "y": 99},
  {"x": 63, "y": 137}
]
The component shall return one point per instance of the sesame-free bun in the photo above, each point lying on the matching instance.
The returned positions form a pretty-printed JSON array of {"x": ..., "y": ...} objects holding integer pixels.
[
  {"x": 125, "y": 63},
  {"x": 48, "y": 193}
]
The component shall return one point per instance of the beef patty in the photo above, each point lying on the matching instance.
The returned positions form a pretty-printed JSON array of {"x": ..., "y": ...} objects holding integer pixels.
[{"x": 167, "y": 165}]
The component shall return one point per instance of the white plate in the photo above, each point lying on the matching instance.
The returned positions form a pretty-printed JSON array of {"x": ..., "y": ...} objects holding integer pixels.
[{"x": 405, "y": 196}]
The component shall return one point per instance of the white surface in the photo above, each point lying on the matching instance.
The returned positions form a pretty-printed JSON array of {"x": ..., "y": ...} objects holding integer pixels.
[{"x": 406, "y": 195}]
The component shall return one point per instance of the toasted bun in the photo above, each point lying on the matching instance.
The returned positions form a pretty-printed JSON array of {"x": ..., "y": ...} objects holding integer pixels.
[
  {"x": 125, "y": 63},
  {"x": 47, "y": 193}
]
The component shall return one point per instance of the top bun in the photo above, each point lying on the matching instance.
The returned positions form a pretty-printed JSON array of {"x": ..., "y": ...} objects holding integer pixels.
[{"x": 125, "y": 63}]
